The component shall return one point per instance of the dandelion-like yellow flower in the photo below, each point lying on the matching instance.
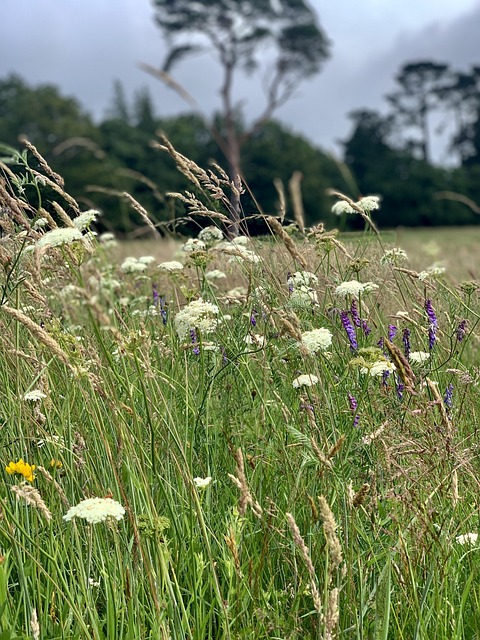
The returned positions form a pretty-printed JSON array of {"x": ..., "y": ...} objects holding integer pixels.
[{"x": 22, "y": 468}]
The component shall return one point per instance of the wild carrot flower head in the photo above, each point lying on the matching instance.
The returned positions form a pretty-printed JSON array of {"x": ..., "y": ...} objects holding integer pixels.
[
  {"x": 305, "y": 380},
  {"x": 302, "y": 278},
  {"x": 202, "y": 483},
  {"x": 316, "y": 340},
  {"x": 170, "y": 266},
  {"x": 354, "y": 288},
  {"x": 394, "y": 256},
  {"x": 21, "y": 468},
  {"x": 95, "y": 510},
  {"x": 210, "y": 235},
  {"x": 85, "y": 219},
  {"x": 199, "y": 315},
  {"x": 369, "y": 203},
  {"x": 418, "y": 357},
  {"x": 59, "y": 237},
  {"x": 194, "y": 244},
  {"x": 34, "y": 396}
]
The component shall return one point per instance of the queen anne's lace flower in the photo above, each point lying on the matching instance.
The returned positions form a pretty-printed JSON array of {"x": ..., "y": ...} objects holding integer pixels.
[
  {"x": 210, "y": 235},
  {"x": 198, "y": 315},
  {"x": 303, "y": 298},
  {"x": 85, "y": 219},
  {"x": 302, "y": 278},
  {"x": 215, "y": 274},
  {"x": 34, "y": 396},
  {"x": 369, "y": 203},
  {"x": 378, "y": 368},
  {"x": 342, "y": 207},
  {"x": 354, "y": 288},
  {"x": 305, "y": 380},
  {"x": 392, "y": 256},
  {"x": 133, "y": 265},
  {"x": 418, "y": 357},
  {"x": 171, "y": 266},
  {"x": 202, "y": 483},
  {"x": 59, "y": 237},
  {"x": 95, "y": 510},
  {"x": 316, "y": 340},
  {"x": 194, "y": 244},
  {"x": 467, "y": 538}
]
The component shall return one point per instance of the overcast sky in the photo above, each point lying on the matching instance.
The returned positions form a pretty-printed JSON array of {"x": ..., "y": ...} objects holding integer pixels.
[{"x": 83, "y": 45}]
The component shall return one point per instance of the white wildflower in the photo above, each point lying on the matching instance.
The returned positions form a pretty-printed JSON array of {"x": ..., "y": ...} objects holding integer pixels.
[
  {"x": 316, "y": 340},
  {"x": 418, "y": 357},
  {"x": 170, "y": 266},
  {"x": 392, "y": 256},
  {"x": 467, "y": 538},
  {"x": 241, "y": 240},
  {"x": 369, "y": 203},
  {"x": 34, "y": 396},
  {"x": 255, "y": 339},
  {"x": 59, "y": 237},
  {"x": 378, "y": 368},
  {"x": 202, "y": 483},
  {"x": 107, "y": 239},
  {"x": 303, "y": 298},
  {"x": 93, "y": 583},
  {"x": 146, "y": 259},
  {"x": 210, "y": 235},
  {"x": 39, "y": 224},
  {"x": 215, "y": 274},
  {"x": 132, "y": 265},
  {"x": 199, "y": 315},
  {"x": 85, "y": 219},
  {"x": 302, "y": 278},
  {"x": 305, "y": 380},
  {"x": 354, "y": 288},
  {"x": 194, "y": 244},
  {"x": 95, "y": 510},
  {"x": 431, "y": 272},
  {"x": 342, "y": 207},
  {"x": 237, "y": 292}
]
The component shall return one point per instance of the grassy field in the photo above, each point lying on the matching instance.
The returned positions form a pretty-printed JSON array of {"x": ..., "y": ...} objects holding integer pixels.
[{"x": 272, "y": 439}]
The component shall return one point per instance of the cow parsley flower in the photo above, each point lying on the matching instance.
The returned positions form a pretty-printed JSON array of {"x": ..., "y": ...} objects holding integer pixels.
[
  {"x": 210, "y": 235},
  {"x": 354, "y": 288},
  {"x": 302, "y": 278},
  {"x": 316, "y": 340},
  {"x": 369, "y": 203},
  {"x": 85, "y": 219},
  {"x": 34, "y": 396},
  {"x": 171, "y": 266},
  {"x": 95, "y": 510},
  {"x": 194, "y": 244},
  {"x": 342, "y": 207},
  {"x": 59, "y": 237},
  {"x": 199, "y": 315},
  {"x": 418, "y": 357},
  {"x": 305, "y": 380}
]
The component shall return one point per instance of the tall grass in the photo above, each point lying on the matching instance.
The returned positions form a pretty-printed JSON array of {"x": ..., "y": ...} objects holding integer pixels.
[{"x": 255, "y": 506}]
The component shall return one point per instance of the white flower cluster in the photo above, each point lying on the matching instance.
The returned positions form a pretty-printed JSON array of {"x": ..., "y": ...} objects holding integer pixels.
[
  {"x": 431, "y": 272},
  {"x": 34, "y": 396},
  {"x": 107, "y": 239},
  {"x": 367, "y": 204},
  {"x": 59, "y": 237},
  {"x": 239, "y": 253},
  {"x": 194, "y": 244},
  {"x": 354, "y": 288},
  {"x": 392, "y": 256},
  {"x": 171, "y": 266},
  {"x": 85, "y": 219},
  {"x": 39, "y": 224},
  {"x": 210, "y": 235},
  {"x": 418, "y": 357},
  {"x": 202, "y": 483},
  {"x": 136, "y": 265},
  {"x": 378, "y": 368},
  {"x": 199, "y": 315},
  {"x": 95, "y": 510},
  {"x": 467, "y": 538},
  {"x": 305, "y": 380},
  {"x": 302, "y": 278},
  {"x": 215, "y": 274},
  {"x": 316, "y": 340},
  {"x": 303, "y": 298}
]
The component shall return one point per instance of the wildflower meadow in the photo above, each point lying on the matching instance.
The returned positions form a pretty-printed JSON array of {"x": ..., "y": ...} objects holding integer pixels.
[{"x": 271, "y": 437}]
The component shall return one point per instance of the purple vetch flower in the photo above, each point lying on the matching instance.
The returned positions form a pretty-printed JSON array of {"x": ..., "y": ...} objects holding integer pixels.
[
  {"x": 290, "y": 282},
  {"x": 253, "y": 320},
  {"x": 381, "y": 343},
  {"x": 448, "y": 397},
  {"x": 366, "y": 329},
  {"x": 461, "y": 330},
  {"x": 163, "y": 311},
  {"x": 224, "y": 354},
  {"x": 432, "y": 318},
  {"x": 406, "y": 341},
  {"x": 392, "y": 332},
  {"x": 194, "y": 340},
  {"x": 353, "y": 404},
  {"x": 347, "y": 325},
  {"x": 354, "y": 313},
  {"x": 385, "y": 376},
  {"x": 155, "y": 295},
  {"x": 400, "y": 389}
]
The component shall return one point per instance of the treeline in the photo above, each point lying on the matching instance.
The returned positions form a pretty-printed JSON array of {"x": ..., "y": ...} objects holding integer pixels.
[{"x": 388, "y": 154}]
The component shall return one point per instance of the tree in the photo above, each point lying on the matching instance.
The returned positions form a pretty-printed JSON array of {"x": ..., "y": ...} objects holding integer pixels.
[
  {"x": 242, "y": 33},
  {"x": 418, "y": 95}
]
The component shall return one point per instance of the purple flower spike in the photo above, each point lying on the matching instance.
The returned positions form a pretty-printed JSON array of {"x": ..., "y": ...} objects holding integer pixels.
[
  {"x": 406, "y": 341},
  {"x": 392, "y": 332},
  {"x": 461, "y": 330},
  {"x": 193, "y": 338},
  {"x": 163, "y": 311},
  {"x": 347, "y": 325},
  {"x": 432, "y": 329},
  {"x": 448, "y": 397},
  {"x": 400, "y": 390},
  {"x": 366, "y": 328},
  {"x": 353, "y": 404},
  {"x": 253, "y": 321},
  {"x": 354, "y": 313}
]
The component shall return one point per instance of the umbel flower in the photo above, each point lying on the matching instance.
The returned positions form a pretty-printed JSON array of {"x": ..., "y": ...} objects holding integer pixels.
[
  {"x": 22, "y": 468},
  {"x": 305, "y": 380},
  {"x": 95, "y": 510},
  {"x": 58, "y": 237},
  {"x": 354, "y": 288},
  {"x": 316, "y": 340},
  {"x": 199, "y": 315}
]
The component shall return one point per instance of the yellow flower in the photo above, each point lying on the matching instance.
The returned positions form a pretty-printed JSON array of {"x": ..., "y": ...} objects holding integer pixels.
[
  {"x": 22, "y": 468},
  {"x": 56, "y": 464}
]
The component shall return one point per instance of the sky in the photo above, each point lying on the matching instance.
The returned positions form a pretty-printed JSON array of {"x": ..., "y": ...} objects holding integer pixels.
[{"x": 82, "y": 46}]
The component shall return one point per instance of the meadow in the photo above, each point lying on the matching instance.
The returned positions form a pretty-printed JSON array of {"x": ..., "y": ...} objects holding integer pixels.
[{"x": 246, "y": 438}]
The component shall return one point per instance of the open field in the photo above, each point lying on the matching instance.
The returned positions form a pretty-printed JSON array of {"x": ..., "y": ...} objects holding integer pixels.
[{"x": 269, "y": 439}]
